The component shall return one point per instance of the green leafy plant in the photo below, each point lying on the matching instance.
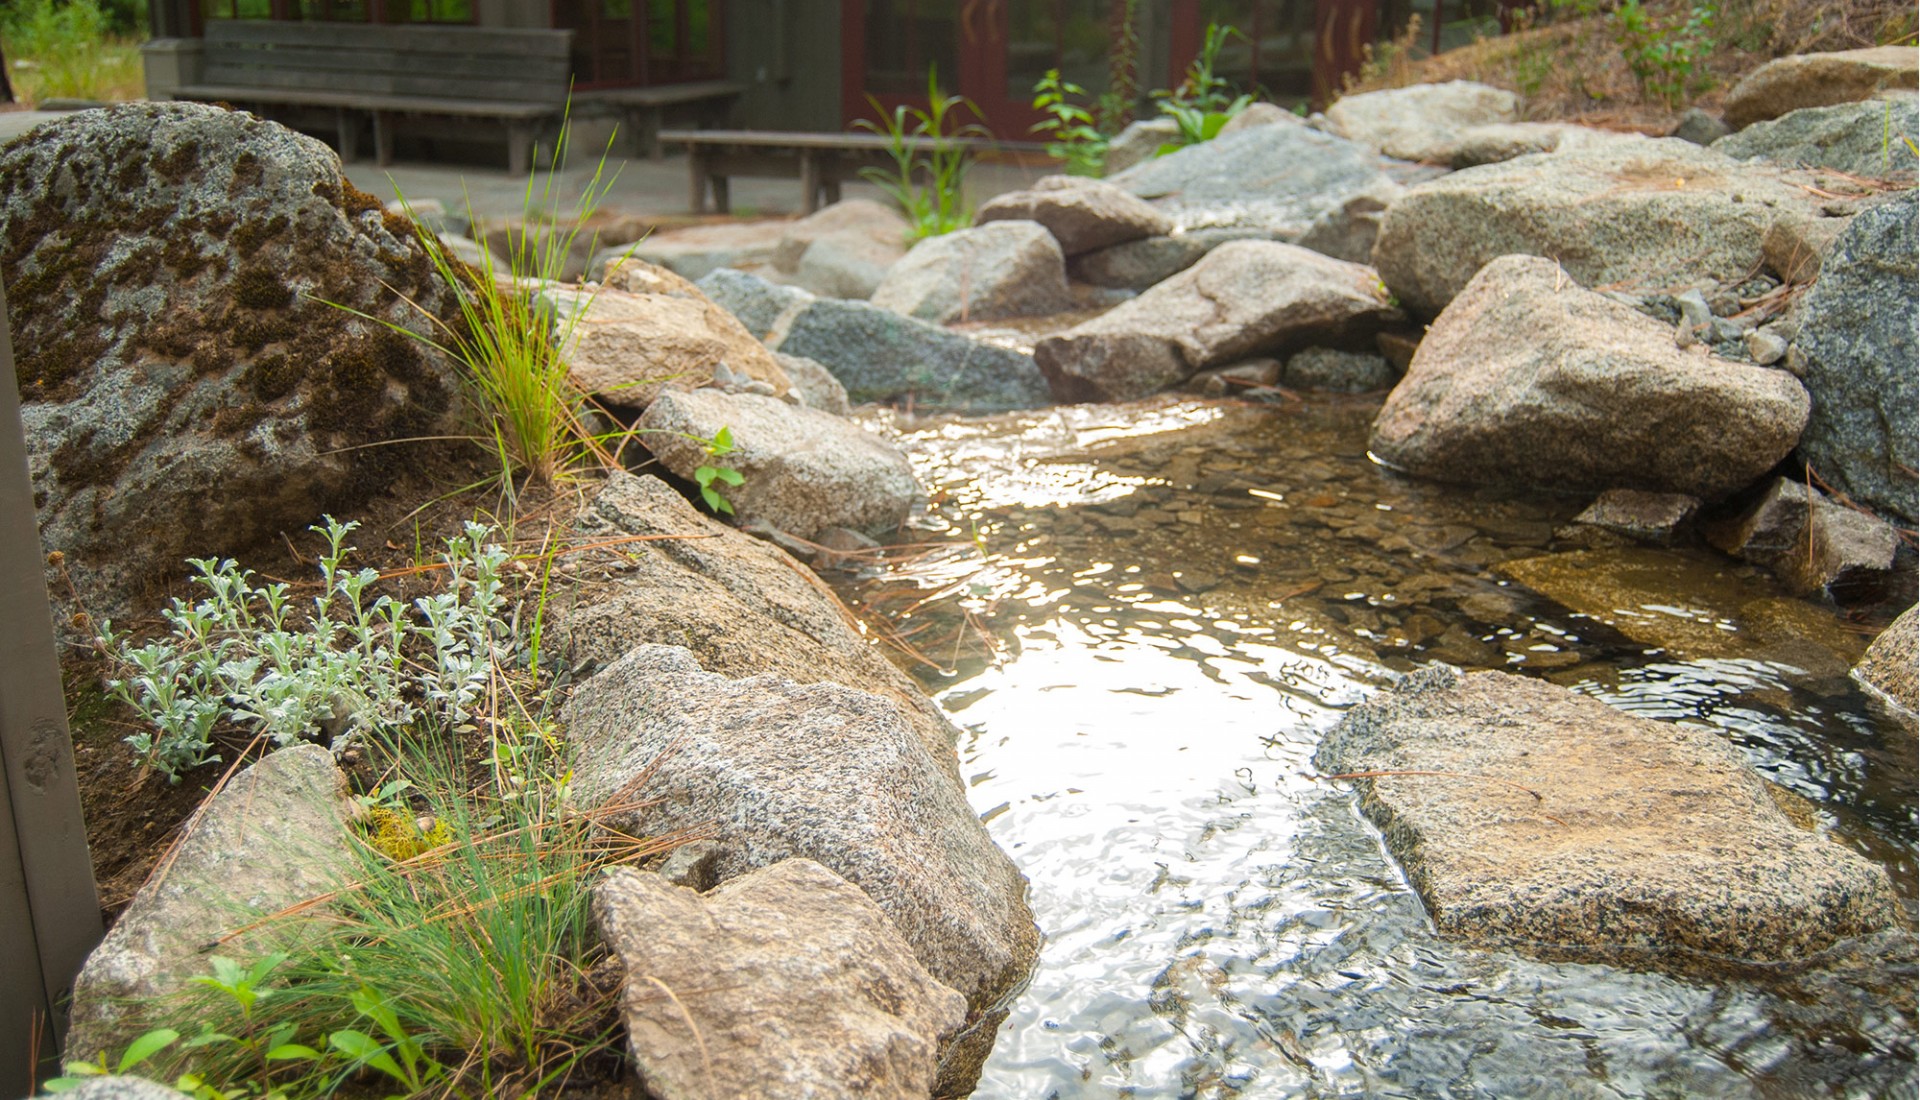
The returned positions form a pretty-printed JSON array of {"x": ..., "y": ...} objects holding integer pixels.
[
  {"x": 1071, "y": 134},
  {"x": 930, "y": 159},
  {"x": 1667, "y": 59},
  {"x": 707, "y": 474},
  {"x": 357, "y": 663},
  {"x": 1203, "y": 104}
]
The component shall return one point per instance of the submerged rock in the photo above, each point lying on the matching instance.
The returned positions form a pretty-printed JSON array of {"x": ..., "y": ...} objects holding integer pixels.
[
  {"x": 786, "y": 981},
  {"x": 1245, "y": 298},
  {"x": 1644, "y": 214},
  {"x": 770, "y": 769},
  {"x": 1641, "y": 516},
  {"x": 805, "y": 470},
  {"x": 1861, "y": 357},
  {"x": 1001, "y": 269},
  {"x": 1529, "y": 379},
  {"x": 276, "y": 834},
  {"x": 1533, "y": 817},
  {"x": 186, "y": 392},
  {"x": 1082, "y": 214},
  {"x": 1817, "y": 80},
  {"x": 1696, "y": 607},
  {"x": 1422, "y": 121}
]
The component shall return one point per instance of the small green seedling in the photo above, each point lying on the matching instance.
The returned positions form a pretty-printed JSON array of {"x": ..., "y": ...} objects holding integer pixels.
[{"x": 720, "y": 446}]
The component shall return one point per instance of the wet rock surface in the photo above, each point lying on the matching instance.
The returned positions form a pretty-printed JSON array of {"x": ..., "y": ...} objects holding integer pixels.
[
  {"x": 1641, "y": 516},
  {"x": 771, "y": 770},
  {"x": 276, "y": 834},
  {"x": 184, "y": 393},
  {"x": 1548, "y": 820},
  {"x": 1891, "y": 665},
  {"x": 1529, "y": 379},
  {"x": 805, "y": 470},
  {"x": 1862, "y": 363},
  {"x": 1644, "y": 215},
  {"x": 791, "y": 983}
]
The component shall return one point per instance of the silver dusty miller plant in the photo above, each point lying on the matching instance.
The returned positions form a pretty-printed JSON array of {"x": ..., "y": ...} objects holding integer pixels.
[{"x": 356, "y": 664}]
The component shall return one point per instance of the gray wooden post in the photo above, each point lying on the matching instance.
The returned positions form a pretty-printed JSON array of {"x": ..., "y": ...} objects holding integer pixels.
[{"x": 49, "y": 911}]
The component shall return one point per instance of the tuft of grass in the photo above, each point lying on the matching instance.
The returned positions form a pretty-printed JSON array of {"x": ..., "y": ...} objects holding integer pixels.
[
  {"x": 930, "y": 158},
  {"x": 69, "y": 50}
]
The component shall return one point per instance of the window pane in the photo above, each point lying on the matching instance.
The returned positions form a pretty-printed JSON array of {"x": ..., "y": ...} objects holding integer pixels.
[
  {"x": 904, "y": 37},
  {"x": 1070, "y": 35}
]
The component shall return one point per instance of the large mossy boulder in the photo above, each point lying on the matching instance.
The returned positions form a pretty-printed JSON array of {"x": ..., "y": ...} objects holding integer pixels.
[{"x": 187, "y": 388}]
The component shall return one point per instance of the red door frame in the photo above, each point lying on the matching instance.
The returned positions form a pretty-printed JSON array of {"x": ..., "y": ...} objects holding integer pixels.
[{"x": 982, "y": 78}]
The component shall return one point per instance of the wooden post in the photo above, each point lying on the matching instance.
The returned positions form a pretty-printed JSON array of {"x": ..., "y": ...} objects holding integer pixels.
[{"x": 48, "y": 907}]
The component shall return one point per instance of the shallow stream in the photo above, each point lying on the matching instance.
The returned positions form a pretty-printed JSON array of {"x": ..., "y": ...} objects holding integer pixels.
[{"x": 1144, "y": 617}]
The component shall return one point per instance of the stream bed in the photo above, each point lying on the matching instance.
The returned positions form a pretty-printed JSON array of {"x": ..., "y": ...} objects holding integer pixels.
[{"x": 1144, "y": 617}]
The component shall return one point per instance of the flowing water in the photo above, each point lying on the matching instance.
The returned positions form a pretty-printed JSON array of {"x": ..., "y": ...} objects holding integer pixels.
[{"x": 1144, "y": 617}]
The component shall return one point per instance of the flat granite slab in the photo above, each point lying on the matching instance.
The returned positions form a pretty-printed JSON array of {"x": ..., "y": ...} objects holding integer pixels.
[{"x": 1533, "y": 817}]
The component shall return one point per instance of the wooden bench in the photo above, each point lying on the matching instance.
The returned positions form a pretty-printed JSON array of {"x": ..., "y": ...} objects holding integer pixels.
[
  {"x": 515, "y": 78},
  {"x": 821, "y": 162}
]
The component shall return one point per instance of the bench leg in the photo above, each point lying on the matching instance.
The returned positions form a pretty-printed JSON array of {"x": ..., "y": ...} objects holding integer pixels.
[
  {"x": 382, "y": 138},
  {"x": 722, "y": 203},
  {"x": 697, "y": 179},
  {"x": 348, "y": 127},
  {"x": 810, "y": 182},
  {"x": 519, "y": 148},
  {"x": 646, "y": 133}
]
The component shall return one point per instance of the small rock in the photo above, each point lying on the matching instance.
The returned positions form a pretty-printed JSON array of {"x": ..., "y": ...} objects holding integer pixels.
[
  {"x": 1139, "y": 141},
  {"x": 814, "y": 384},
  {"x": 1000, "y": 269},
  {"x": 122, "y": 1087},
  {"x": 805, "y": 470},
  {"x": 786, "y": 981},
  {"x": 1812, "y": 542},
  {"x": 1699, "y": 127},
  {"x": 1082, "y": 214},
  {"x": 1765, "y": 348},
  {"x": 1244, "y": 298},
  {"x": 1423, "y": 121},
  {"x": 844, "y": 250},
  {"x": 1337, "y": 371},
  {"x": 1236, "y": 379},
  {"x": 276, "y": 834},
  {"x": 1641, "y": 516}
]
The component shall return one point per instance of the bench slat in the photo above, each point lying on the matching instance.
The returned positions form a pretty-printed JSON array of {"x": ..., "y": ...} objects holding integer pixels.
[
  {"x": 435, "y": 39},
  {"x": 355, "y": 101},
  {"x": 424, "y": 84},
  {"x": 478, "y": 65},
  {"x": 861, "y": 142},
  {"x": 661, "y": 95}
]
